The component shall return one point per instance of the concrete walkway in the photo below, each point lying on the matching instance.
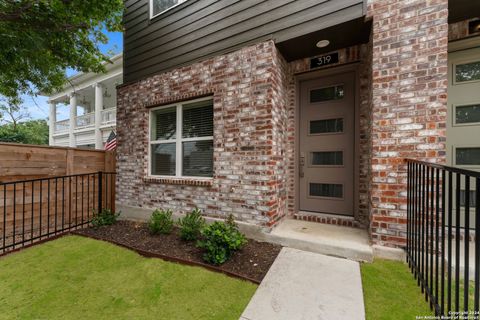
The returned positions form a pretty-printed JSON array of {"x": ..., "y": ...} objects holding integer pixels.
[{"x": 304, "y": 285}]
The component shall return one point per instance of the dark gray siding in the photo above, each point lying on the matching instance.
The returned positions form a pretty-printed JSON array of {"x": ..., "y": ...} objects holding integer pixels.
[{"x": 198, "y": 29}]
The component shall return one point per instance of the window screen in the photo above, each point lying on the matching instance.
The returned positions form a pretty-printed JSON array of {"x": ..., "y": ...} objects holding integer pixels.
[
  {"x": 198, "y": 120},
  {"x": 164, "y": 126}
]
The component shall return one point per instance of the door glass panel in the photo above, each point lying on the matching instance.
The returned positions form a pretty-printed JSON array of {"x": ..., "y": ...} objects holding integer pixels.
[
  {"x": 326, "y": 126},
  {"x": 467, "y": 71},
  {"x": 326, "y": 190},
  {"x": 327, "y": 94},
  {"x": 327, "y": 158},
  {"x": 467, "y": 114},
  {"x": 467, "y": 156}
]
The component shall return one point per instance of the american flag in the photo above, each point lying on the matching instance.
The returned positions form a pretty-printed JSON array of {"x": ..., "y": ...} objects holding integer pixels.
[{"x": 111, "y": 143}]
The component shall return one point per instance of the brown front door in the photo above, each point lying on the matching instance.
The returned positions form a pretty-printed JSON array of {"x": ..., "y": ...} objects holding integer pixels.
[{"x": 327, "y": 127}]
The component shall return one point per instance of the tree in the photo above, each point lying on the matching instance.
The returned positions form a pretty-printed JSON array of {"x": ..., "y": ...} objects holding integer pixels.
[
  {"x": 41, "y": 38},
  {"x": 28, "y": 132},
  {"x": 12, "y": 111}
]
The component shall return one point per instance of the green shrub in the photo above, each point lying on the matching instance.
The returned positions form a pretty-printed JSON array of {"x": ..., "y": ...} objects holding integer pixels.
[
  {"x": 220, "y": 240},
  {"x": 191, "y": 225},
  {"x": 105, "y": 217},
  {"x": 161, "y": 222}
]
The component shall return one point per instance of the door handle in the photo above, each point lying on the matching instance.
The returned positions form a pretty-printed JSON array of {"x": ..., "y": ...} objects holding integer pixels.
[{"x": 302, "y": 165}]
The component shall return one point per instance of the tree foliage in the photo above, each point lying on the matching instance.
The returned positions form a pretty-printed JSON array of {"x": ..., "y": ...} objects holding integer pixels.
[
  {"x": 12, "y": 111},
  {"x": 28, "y": 132},
  {"x": 41, "y": 38}
]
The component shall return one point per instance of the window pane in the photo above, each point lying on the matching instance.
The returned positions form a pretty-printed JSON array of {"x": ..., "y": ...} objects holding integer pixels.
[
  {"x": 467, "y": 114},
  {"x": 163, "y": 159},
  {"x": 162, "y": 5},
  {"x": 327, "y": 158},
  {"x": 326, "y": 190},
  {"x": 472, "y": 201},
  {"x": 164, "y": 124},
  {"x": 198, "y": 158},
  {"x": 326, "y": 94},
  {"x": 468, "y": 156},
  {"x": 326, "y": 126},
  {"x": 468, "y": 71},
  {"x": 198, "y": 119}
]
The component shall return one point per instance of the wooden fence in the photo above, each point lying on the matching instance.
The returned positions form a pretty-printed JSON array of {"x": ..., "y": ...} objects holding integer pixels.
[
  {"x": 50, "y": 189},
  {"x": 24, "y": 162}
]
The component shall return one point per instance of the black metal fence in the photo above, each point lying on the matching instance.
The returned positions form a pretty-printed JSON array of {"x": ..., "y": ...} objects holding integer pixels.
[
  {"x": 38, "y": 209},
  {"x": 443, "y": 236}
]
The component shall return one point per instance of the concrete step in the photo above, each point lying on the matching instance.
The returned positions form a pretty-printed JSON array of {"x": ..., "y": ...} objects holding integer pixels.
[{"x": 337, "y": 241}]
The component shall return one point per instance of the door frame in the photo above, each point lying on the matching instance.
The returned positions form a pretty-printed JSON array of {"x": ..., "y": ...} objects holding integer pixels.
[{"x": 352, "y": 68}]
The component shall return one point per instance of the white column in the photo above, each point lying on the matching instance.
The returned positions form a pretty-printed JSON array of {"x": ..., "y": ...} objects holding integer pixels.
[
  {"x": 73, "y": 116},
  {"x": 52, "y": 118},
  {"x": 98, "y": 115}
]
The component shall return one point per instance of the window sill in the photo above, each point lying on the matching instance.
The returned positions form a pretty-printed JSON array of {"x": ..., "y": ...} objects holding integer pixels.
[{"x": 198, "y": 182}]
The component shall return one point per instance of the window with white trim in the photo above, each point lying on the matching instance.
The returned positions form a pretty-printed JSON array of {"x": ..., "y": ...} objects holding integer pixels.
[
  {"x": 181, "y": 139},
  {"x": 158, "y": 7}
]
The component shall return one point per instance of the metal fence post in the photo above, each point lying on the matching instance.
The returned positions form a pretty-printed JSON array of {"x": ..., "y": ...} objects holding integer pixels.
[{"x": 100, "y": 193}]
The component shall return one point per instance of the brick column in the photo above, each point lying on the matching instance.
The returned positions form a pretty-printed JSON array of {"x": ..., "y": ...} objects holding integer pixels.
[{"x": 409, "y": 72}]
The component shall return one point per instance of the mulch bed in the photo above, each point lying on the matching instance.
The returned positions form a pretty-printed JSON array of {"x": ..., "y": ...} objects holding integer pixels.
[{"x": 251, "y": 262}]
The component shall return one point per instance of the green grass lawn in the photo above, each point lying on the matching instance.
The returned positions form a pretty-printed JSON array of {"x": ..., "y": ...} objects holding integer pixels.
[
  {"x": 390, "y": 292},
  {"x": 79, "y": 278}
]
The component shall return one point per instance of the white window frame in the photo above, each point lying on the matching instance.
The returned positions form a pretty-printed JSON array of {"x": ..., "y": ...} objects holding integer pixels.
[
  {"x": 178, "y": 140},
  {"x": 162, "y": 12}
]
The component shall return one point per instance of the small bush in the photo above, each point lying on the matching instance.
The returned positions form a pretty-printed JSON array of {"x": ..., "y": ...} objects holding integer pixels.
[
  {"x": 105, "y": 217},
  {"x": 161, "y": 222},
  {"x": 191, "y": 225},
  {"x": 220, "y": 240}
]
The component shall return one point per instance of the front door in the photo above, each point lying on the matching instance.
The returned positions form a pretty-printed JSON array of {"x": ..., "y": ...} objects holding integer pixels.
[{"x": 327, "y": 128}]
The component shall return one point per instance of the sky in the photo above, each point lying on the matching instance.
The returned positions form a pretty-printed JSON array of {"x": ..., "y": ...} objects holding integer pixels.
[{"x": 38, "y": 106}]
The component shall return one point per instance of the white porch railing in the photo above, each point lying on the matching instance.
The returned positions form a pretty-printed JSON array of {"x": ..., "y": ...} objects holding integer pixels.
[
  {"x": 61, "y": 126},
  {"x": 109, "y": 116},
  {"x": 85, "y": 120}
]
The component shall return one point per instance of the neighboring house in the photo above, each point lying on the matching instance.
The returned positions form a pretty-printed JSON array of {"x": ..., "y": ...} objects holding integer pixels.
[
  {"x": 92, "y": 105},
  {"x": 302, "y": 109}
]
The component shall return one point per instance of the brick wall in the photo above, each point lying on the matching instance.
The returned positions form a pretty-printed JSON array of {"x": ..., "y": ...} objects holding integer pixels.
[
  {"x": 249, "y": 124},
  {"x": 402, "y": 81},
  {"x": 409, "y": 72}
]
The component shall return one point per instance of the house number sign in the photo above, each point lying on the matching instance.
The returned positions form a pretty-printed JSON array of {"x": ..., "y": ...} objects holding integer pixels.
[{"x": 324, "y": 60}]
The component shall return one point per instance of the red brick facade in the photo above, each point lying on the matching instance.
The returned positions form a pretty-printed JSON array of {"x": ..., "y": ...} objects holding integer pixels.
[
  {"x": 409, "y": 65},
  {"x": 402, "y": 81},
  {"x": 249, "y": 125}
]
